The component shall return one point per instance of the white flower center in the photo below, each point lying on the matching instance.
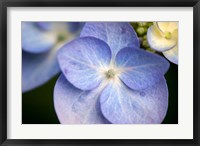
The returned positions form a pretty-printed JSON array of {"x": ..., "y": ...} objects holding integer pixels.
[
  {"x": 61, "y": 37},
  {"x": 110, "y": 73}
]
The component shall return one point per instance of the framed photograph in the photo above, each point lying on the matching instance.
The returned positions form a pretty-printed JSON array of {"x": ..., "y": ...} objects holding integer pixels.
[{"x": 99, "y": 73}]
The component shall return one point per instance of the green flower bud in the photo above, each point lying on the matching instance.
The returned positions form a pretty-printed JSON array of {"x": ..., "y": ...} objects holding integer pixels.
[
  {"x": 145, "y": 44},
  {"x": 142, "y": 24},
  {"x": 151, "y": 50},
  {"x": 149, "y": 24},
  {"x": 145, "y": 37},
  {"x": 141, "y": 30}
]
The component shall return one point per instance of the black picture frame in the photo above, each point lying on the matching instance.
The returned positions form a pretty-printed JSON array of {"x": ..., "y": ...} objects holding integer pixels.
[{"x": 4, "y": 4}]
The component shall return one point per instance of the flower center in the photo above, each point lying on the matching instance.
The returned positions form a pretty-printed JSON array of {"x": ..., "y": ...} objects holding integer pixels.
[
  {"x": 61, "y": 37},
  {"x": 168, "y": 35},
  {"x": 110, "y": 73}
]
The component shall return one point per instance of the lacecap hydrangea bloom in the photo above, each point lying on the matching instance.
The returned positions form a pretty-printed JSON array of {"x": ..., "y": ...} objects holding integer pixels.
[
  {"x": 40, "y": 43},
  {"x": 107, "y": 78},
  {"x": 163, "y": 37}
]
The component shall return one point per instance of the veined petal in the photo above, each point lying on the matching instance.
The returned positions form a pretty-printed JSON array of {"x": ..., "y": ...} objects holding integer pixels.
[
  {"x": 172, "y": 54},
  {"x": 35, "y": 40},
  {"x": 167, "y": 26},
  {"x": 116, "y": 35},
  {"x": 38, "y": 69},
  {"x": 139, "y": 68},
  {"x": 81, "y": 59},
  {"x": 157, "y": 41},
  {"x": 121, "y": 105},
  {"x": 74, "y": 106}
]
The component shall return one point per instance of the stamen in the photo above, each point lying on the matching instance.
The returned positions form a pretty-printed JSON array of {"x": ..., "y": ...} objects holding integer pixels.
[
  {"x": 168, "y": 35},
  {"x": 110, "y": 73},
  {"x": 61, "y": 37}
]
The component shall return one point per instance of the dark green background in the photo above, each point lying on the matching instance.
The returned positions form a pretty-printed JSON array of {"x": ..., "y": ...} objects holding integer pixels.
[{"x": 38, "y": 108}]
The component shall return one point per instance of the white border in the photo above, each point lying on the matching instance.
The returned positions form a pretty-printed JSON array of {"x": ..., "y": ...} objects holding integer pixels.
[{"x": 183, "y": 130}]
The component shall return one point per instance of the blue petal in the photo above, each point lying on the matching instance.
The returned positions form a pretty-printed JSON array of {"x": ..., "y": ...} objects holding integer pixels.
[
  {"x": 172, "y": 55},
  {"x": 122, "y": 105},
  {"x": 74, "y": 106},
  {"x": 116, "y": 35},
  {"x": 37, "y": 69},
  {"x": 75, "y": 26},
  {"x": 35, "y": 40},
  {"x": 72, "y": 27},
  {"x": 44, "y": 25},
  {"x": 81, "y": 59},
  {"x": 140, "y": 69}
]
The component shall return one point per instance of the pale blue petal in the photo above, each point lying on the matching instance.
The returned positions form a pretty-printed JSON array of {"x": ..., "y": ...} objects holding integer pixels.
[
  {"x": 35, "y": 40},
  {"x": 116, "y": 34},
  {"x": 75, "y": 26},
  {"x": 172, "y": 55},
  {"x": 37, "y": 69},
  {"x": 81, "y": 59},
  {"x": 122, "y": 105},
  {"x": 140, "y": 69},
  {"x": 74, "y": 106},
  {"x": 44, "y": 25},
  {"x": 71, "y": 27},
  {"x": 41, "y": 67}
]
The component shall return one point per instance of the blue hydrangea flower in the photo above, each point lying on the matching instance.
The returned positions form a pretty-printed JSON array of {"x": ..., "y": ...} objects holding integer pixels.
[
  {"x": 40, "y": 42},
  {"x": 107, "y": 78}
]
